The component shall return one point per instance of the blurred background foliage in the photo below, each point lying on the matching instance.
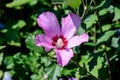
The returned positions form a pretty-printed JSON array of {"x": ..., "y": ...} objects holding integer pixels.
[{"x": 98, "y": 59}]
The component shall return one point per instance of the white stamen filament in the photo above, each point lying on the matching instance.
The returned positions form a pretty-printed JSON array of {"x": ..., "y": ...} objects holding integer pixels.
[{"x": 59, "y": 43}]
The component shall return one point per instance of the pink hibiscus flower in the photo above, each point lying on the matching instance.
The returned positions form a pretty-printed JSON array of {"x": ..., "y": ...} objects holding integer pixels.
[{"x": 60, "y": 39}]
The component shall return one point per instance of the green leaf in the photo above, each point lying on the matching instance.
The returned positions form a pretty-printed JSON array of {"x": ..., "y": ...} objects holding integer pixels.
[
  {"x": 53, "y": 72},
  {"x": 38, "y": 76},
  {"x": 1, "y": 74},
  {"x": 115, "y": 42},
  {"x": 90, "y": 20},
  {"x": 100, "y": 5},
  {"x": 12, "y": 32},
  {"x": 105, "y": 36},
  {"x": 111, "y": 9},
  {"x": 84, "y": 60},
  {"x": 90, "y": 44},
  {"x": 116, "y": 14},
  {"x": 67, "y": 72},
  {"x": 106, "y": 27},
  {"x": 81, "y": 29},
  {"x": 33, "y": 2},
  {"x": 13, "y": 43},
  {"x": 19, "y": 24},
  {"x": 1, "y": 58},
  {"x": 96, "y": 68},
  {"x": 104, "y": 11},
  {"x": 17, "y": 3},
  {"x": 32, "y": 61},
  {"x": 9, "y": 62},
  {"x": 30, "y": 42},
  {"x": 73, "y": 4},
  {"x": 117, "y": 25},
  {"x": 57, "y": 1},
  {"x": 45, "y": 60},
  {"x": 2, "y": 47}
]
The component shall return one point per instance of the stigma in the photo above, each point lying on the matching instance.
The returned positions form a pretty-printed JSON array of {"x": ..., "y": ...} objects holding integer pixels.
[{"x": 59, "y": 42}]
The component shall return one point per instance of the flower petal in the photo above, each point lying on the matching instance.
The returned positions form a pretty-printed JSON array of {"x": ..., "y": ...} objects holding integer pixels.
[
  {"x": 70, "y": 25},
  {"x": 47, "y": 49},
  {"x": 43, "y": 40},
  {"x": 77, "y": 40},
  {"x": 49, "y": 23},
  {"x": 63, "y": 56}
]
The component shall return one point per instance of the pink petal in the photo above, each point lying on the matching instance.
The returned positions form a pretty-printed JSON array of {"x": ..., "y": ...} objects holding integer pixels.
[
  {"x": 70, "y": 25},
  {"x": 77, "y": 40},
  {"x": 63, "y": 56},
  {"x": 49, "y": 23},
  {"x": 43, "y": 40},
  {"x": 47, "y": 49}
]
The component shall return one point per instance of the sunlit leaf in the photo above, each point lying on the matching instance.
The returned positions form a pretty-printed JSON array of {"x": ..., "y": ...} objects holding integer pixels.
[
  {"x": 90, "y": 44},
  {"x": 98, "y": 66},
  {"x": 32, "y": 61},
  {"x": 45, "y": 60},
  {"x": 116, "y": 14},
  {"x": 2, "y": 47},
  {"x": 100, "y": 5},
  {"x": 19, "y": 24},
  {"x": 39, "y": 76},
  {"x": 105, "y": 36},
  {"x": 85, "y": 60},
  {"x": 111, "y": 9},
  {"x": 16, "y": 3},
  {"x": 53, "y": 72},
  {"x": 13, "y": 43},
  {"x": 90, "y": 20},
  {"x": 115, "y": 42},
  {"x": 1, "y": 74},
  {"x": 66, "y": 72},
  {"x": 74, "y": 4},
  {"x": 106, "y": 27},
  {"x": 103, "y": 12},
  {"x": 1, "y": 58},
  {"x": 57, "y": 1},
  {"x": 30, "y": 42},
  {"x": 9, "y": 62},
  {"x": 33, "y": 2}
]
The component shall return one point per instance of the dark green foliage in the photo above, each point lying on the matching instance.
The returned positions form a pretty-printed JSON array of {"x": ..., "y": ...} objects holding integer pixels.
[{"x": 20, "y": 56}]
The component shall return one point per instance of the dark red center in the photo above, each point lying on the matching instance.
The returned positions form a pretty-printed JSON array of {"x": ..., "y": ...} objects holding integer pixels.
[{"x": 59, "y": 42}]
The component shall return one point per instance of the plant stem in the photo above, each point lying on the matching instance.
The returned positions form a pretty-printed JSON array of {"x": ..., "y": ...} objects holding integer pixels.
[
  {"x": 85, "y": 8},
  {"x": 96, "y": 12},
  {"x": 108, "y": 62},
  {"x": 106, "y": 56},
  {"x": 77, "y": 11},
  {"x": 95, "y": 36}
]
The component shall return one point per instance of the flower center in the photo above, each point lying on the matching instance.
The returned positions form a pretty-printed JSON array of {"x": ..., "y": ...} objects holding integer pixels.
[{"x": 59, "y": 42}]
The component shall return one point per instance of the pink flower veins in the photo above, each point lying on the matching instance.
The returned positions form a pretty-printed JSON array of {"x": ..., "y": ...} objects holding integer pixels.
[{"x": 60, "y": 39}]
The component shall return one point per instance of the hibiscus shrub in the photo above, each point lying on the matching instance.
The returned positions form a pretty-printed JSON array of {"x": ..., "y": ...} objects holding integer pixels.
[{"x": 59, "y": 40}]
